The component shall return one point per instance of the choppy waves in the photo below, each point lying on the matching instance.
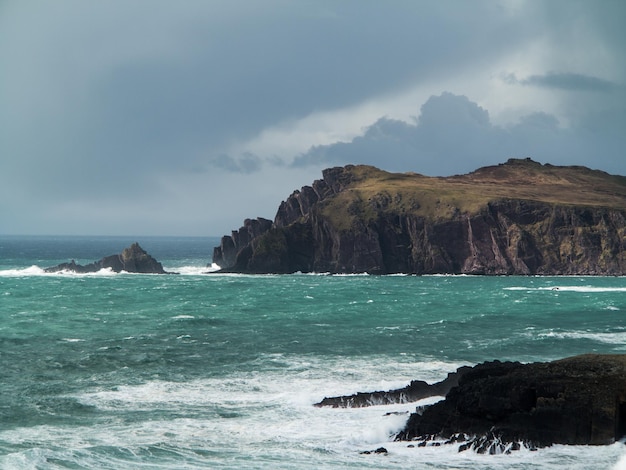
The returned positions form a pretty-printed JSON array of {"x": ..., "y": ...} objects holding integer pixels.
[
  {"x": 260, "y": 419},
  {"x": 221, "y": 371},
  {"x": 265, "y": 420},
  {"x": 38, "y": 271},
  {"x": 616, "y": 338}
]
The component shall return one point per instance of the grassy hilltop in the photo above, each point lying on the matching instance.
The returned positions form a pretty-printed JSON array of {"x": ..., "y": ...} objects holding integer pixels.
[{"x": 373, "y": 191}]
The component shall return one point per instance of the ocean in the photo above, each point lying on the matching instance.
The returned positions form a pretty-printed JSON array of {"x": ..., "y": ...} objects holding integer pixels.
[{"x": 212, "y": 371}]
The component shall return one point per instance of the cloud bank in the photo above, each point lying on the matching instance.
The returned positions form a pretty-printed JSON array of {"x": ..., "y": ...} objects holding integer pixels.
[{"x": 159, "y": 117}]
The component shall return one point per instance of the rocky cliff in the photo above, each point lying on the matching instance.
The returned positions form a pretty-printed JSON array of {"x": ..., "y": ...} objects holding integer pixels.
[
  {"x": 520, "y": 217},
  {"x": 133, "y": 259}
]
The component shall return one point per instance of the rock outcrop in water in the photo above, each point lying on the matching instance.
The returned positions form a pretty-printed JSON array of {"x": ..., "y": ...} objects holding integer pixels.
[
  {"x": 416, "y": 390},
  {"x": 498, "y": 406},
  {"x": 520, "y": 217},
  {"x": 133, "y": 259}
]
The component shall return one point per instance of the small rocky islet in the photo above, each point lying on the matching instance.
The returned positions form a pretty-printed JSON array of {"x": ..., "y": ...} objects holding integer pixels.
[{"x": 132, "y": 259}]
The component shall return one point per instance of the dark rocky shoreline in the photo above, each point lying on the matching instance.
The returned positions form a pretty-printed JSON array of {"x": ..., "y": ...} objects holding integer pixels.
[{"x": 498, "y": 407}]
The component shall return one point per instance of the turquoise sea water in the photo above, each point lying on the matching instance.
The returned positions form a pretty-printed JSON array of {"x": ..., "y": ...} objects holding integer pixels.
[{"x": 220, "y": 371}]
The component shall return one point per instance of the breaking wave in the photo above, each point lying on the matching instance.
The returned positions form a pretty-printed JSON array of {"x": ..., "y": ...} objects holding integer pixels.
[{"x": 39, "y": 271}]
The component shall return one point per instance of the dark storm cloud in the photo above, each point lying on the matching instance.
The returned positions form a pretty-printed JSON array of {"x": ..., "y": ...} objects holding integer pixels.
[
  {"x": 143, "y": 84},
  {"x": 275, "y": 63},
  {"x": 565, "y": 81},
  {"x": 247, "y": 163},
  {"x": 117, "y": 110}
]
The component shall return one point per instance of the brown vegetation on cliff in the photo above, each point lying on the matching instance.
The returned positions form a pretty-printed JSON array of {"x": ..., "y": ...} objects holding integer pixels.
[{"x": 520, "y": 217}]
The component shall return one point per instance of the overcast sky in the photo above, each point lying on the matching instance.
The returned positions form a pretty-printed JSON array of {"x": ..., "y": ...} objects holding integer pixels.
[{"x": 155, "y": 117}]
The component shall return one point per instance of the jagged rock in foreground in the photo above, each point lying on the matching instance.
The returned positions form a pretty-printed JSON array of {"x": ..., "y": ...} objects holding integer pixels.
[
  {"x": 496, "y": 406},
  {"x": 520, "y": 217},
  {"x": 133, "y": 259},
  {"x": 416, "y": 390}
]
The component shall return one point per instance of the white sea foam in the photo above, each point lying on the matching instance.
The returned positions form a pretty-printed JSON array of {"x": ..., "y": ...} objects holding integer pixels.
[
  {"x": 263, "y": 415},
  {"x": 351, "y": 274},
  {"x": 588, "y": 289},
  {"x": 608, "y": 338},
  {"x": 38, "y": 271},
  {"x": 192, "y": 270},
  {"x": 621, "y": 463},
  {"x": 266, "y": 411},
  {"x": 21, "y": 272},
  {"x": 305, "y": 381}
]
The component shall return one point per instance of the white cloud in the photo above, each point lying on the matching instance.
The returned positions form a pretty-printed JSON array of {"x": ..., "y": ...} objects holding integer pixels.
[{"x": 454, "y": 135}]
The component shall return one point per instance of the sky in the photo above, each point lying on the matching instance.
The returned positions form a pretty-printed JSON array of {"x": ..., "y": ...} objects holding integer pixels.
[{"x": 161, "y": 117}]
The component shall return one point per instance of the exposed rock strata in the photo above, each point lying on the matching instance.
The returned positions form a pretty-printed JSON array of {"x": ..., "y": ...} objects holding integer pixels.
[
  {"x": 133, "y": 259},
  {"x": 496, "y": 406},
  {"x": 520, "y": 217}
]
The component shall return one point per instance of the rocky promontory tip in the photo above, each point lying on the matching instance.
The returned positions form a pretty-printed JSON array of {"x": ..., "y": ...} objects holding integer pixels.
[
  {"x": 517, "y": 218},
  {"x": 132, "y": 259},
  {"x": 416, "y": 390}
]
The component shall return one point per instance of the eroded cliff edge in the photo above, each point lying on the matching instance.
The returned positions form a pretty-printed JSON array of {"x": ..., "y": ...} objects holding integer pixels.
[{"x": 519, "y": 217}]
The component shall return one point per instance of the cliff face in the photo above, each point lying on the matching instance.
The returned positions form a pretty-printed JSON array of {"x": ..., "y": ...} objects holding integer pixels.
[
  {"x": 520, "y": 217},
  {"x": 226, "y": 254}
]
